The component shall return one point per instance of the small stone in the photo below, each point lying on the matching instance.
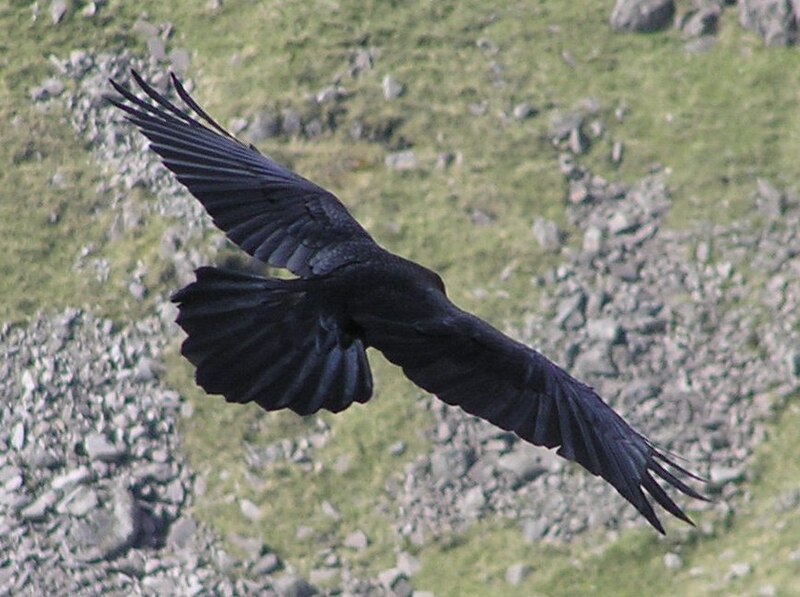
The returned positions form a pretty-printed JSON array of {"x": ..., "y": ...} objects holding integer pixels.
[
  {"x": 547, "y": 234},
  {"x": 266, "y": 564},
  {"x": 179, "y": 59},
  {"x": 522, "y": 465},
  {"x": 157, "y": 48},
  {"x": 522, "y": 111},
  {"x": 571, "y": 310},
  {"x": 304, "y": 532},
  {"x": 621, "y": 223},
  {"x": 593, "y": 240},
  {"x": 397, "y": 449},
  {"x": 644, "y": 16},
  {"x": 534, "y": 529},
  {"x": 82, "y": 501},
  {"x": 392, "y": 89},
  {"x": 605, "y": 329},
  {"x": 322, "y": 576},
  {"x": 395, "y": 582},
  {"x": 330, "y": 511},
  {"x": 89, "y": 10},
  {"x": 472, "y": 501},
  {"x": 616, "y": 152},
  {"x": 293, "y": 586},
  {"x": 181, "y": 532},
  {"x": 18, "y": 436},
  {"x": 722, "y": 475},
  {"x": 402, "y": 161},
  {"x": 37, "y": 510},
  {"x": 99, "y": 448},
  {"x": 578, "y": 142},
  {"x": 672, "y": 561},
  {"x": 58, "y": 8},
  {"x": 740, "y": 570},
  {"x": 69, "y": 478},
  {"x": 517, "y": 573},
  {"x": 49, "y": 88},
  {"x": 771, "y": 202},
  {"x": 356, "y": 540},
  {"x": 408, "y": 564},
  {"x": 451, "y": 463},
  {"x": 250, "y": 510}
]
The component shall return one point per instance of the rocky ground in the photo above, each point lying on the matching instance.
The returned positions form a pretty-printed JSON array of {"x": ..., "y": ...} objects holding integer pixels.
[{"x": 689, "y": 333}]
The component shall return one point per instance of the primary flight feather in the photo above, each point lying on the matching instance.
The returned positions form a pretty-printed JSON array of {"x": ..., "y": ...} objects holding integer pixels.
[{"x": 300, "y": 343}]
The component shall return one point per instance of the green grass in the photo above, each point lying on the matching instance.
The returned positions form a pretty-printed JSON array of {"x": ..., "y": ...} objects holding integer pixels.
[{"x": 715, "y": 121}]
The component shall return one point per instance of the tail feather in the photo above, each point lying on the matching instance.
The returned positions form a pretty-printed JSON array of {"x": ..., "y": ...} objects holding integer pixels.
[{"x": 264, "y": 340}]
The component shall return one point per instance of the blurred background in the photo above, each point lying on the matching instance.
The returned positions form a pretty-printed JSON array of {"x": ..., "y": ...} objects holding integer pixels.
[{"x": 614, "y": 184}]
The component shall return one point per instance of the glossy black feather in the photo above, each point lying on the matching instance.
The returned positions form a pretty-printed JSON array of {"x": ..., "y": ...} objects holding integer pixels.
[
  {"x": 237, "y": 185},
  {"x": 300, "y": 344}
]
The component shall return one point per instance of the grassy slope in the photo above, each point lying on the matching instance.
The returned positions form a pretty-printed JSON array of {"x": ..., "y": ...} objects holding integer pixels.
[{"x": 717, "y": 120}]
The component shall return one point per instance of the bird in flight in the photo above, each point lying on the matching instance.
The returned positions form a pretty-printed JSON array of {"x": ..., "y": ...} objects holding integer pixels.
[{"x": 300, "y": 343}]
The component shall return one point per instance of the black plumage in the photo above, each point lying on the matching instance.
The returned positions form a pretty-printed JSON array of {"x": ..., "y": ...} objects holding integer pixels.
[{"x": 300, "y": 343}]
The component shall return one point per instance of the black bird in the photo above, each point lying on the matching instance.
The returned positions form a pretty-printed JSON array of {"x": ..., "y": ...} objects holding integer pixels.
[{"x": 300, "y": 343}]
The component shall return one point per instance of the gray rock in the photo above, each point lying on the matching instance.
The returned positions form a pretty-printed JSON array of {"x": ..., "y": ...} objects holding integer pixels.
[
  {"x": 181, "y": 532},
  {"x": 534, "y": 529},
  {"x": 293, "y": 586},
  {"x": 50, "y": 88},
  {"x": 58, "y": 8},
  {"x": 80, "y": 501},
  {"x": 523, "y": 465},
  {"x": 605, "y": 329},
  {"x": 99, "y": 448},
  {"x": 775, "y": 20},
  {"x": 517, "y": 573},
  {"x": 563, "y": 124},
  {"x": 157, "y": 48},
  {"x": 472, "y": 502},
  {"x": 578, "y": 142},
  {"x": 547, "y": 234},
  {"x": 397, "y": 449},
  {"x": 522, "y": 111},
  {"x": 356, "y": 540},
  {"x": 771, "y": 202},
  {"x": 179, "y": 59},
  {"x": 402, "y": 161},
  {"x": 321, "y": 576},
  {"x": 672, "y": 561},
  {"x": 701, "y": 21},
  {"x": 291, "y": 123},
  {"x": 595, "y": 361},
  {"x": 570, "y": 312},
  {"x": 392, "y": 88},
  {"x": 617, "y": 152},
  {"x": 396, "y": 582},
  {"x": 451, "y": 463},
  {"x": 408, "y": 564},
  {"x": 642, "y": 15},
  {"x": 266, "y": 564},
  {"x": 37, "y": 510},
  {"x": 621, "y": 223},
  {"x": 250, "y": 511},
  {"x": 740, "y": 570},
  {"x": 722, "y": 475},
  {"x": 18, "y": 436},
  {"x": 593, "y": 240},
  {"x": 265, "y": 125},
  {"x": 330, "y": 511}
]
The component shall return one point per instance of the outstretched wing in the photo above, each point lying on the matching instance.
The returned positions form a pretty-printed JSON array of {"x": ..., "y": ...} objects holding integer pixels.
[
  {"x": 272, "y": 213},
  {"x": 468, "y": 363}
]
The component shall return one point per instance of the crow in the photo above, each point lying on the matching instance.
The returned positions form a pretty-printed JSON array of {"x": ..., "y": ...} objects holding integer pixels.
[{"x": 300, "y": 343}]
